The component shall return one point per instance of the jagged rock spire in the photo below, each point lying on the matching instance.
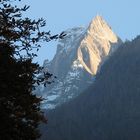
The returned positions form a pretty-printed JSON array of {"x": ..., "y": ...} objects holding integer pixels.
[
  {"x": 96, "y": 44},
  {"x": 78, "y": 59}
]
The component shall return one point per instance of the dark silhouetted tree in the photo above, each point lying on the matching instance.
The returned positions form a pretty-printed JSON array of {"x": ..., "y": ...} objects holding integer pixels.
[{"x": 20, "y": 111}]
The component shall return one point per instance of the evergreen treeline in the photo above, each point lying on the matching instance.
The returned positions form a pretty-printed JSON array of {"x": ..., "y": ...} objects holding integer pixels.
[{"x": 109, "y": 109}]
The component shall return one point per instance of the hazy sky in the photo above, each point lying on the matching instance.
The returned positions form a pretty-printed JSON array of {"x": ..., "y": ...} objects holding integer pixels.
[{"x": 122, "y": 15}]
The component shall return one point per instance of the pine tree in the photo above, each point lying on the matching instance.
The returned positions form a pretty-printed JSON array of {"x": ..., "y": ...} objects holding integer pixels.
[{"x": 20, "y": 112}]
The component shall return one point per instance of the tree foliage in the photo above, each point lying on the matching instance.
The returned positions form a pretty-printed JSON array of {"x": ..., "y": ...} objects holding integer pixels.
[
  {"x": 20, "y": 111},
  {"x": 109, "y": 109}
]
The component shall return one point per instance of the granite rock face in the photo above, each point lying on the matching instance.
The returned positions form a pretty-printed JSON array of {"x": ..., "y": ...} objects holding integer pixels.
[{"x": 77, "y": 60}]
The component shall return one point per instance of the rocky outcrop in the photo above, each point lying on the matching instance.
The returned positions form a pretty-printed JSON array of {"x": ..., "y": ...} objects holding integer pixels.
[{"x": 77, "y": 60}]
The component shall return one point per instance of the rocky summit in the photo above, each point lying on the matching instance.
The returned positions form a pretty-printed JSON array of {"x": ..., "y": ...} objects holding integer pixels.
[{"x": 78, "y": 58}]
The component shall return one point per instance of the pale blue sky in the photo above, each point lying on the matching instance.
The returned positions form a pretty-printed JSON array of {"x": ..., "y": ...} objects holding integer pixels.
[{"x": 122, "y": 15}]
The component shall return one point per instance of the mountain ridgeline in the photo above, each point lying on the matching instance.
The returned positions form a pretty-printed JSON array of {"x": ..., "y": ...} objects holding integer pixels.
[
  {"x": 109, "y": 109},
  {"x": 78, "y": 58}
]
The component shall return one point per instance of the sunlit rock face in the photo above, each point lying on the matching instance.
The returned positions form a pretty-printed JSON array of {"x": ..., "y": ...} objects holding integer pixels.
[
  {"x": 98, "y": 41},
  {"x": 77, "y": 60}
]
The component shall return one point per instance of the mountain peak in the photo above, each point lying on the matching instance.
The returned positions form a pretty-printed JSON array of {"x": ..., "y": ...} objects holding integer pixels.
[
  {"x": 99, "y": 27},
  {"x": 98, "y": 20},
  {"x": 78, "y": 58},
  {"x": 99, "y": 41}
]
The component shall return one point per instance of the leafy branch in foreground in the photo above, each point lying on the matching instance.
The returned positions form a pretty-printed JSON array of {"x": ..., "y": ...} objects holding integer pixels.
[{"x": 20, "y": 112}]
